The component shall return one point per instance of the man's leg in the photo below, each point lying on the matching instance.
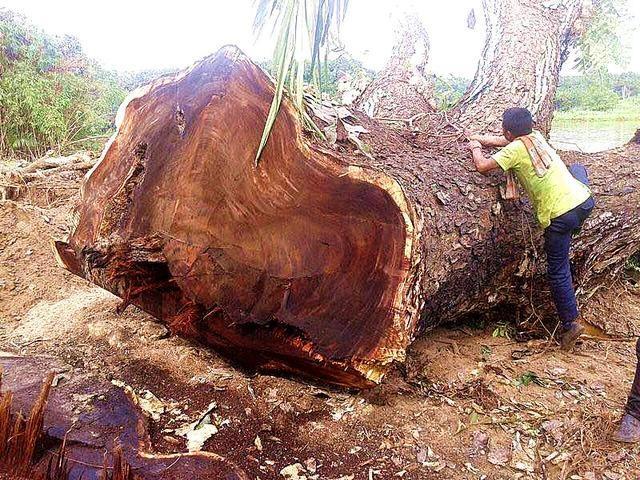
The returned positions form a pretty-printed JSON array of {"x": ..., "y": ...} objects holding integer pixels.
[
  {"x": 633, "y": 402},
  {"x": 579, "y": 172},
  {"x": 629, "y": 430},
  {"x": 557, "y": 241}
]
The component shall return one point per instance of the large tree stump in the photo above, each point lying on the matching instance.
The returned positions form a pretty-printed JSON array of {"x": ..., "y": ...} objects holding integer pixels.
[
  {"x": 317, "y": 261},
  {"x": 301, "y": 263}
]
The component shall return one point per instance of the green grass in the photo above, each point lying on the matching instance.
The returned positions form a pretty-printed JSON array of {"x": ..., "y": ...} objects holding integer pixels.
[{"x": 627, "y": 110}]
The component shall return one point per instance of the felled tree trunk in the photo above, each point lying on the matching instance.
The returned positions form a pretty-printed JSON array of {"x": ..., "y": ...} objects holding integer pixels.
[
  {"x": 527, "y": 42},
  {"x": 319, "y": 260},
  {"x": 302, "y": 263}
]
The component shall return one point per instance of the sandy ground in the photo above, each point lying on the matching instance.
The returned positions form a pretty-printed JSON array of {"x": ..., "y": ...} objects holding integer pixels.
[{"x": 467, "y": 405}]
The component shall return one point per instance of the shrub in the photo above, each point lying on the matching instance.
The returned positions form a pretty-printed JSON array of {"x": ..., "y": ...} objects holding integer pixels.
[
  {"x": 595, "y": 93},
  {"x": 449, "y": 90},
  {"x": 599, "y": 97},
  {"x": 51, "y": 93}
]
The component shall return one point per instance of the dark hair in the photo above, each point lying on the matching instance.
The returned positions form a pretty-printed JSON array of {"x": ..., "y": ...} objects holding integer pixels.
[{"x": 518, "y": 121}]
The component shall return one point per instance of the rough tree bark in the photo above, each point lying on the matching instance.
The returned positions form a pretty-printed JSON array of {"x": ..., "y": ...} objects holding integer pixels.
[
  {"x": 403, "y": 89},
  {"x": 318, "y": 261},
  {"x": 527, "y": 42}
]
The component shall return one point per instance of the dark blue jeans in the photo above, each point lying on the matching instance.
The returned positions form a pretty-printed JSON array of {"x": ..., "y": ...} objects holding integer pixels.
[
  {"x": 557, "y": 242},
  {"x": 633, "y": 402}
]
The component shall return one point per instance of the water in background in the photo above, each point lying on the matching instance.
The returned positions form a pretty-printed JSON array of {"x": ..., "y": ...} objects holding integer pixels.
[{"x": 591, "y": 136}]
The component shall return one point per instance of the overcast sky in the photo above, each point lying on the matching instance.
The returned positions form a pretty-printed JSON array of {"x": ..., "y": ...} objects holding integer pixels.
[{"x": 144, "y": 34}]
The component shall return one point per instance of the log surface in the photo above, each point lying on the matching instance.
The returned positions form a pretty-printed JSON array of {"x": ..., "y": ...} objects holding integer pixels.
[{"x": 318, "y": 261}]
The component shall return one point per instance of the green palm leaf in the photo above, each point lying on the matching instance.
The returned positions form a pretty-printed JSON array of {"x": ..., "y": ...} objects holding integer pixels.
[{"x": 304, "y": 27}]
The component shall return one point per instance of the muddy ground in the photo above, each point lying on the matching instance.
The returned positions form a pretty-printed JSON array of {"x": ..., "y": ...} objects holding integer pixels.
[{"x": 471, "y": 402}]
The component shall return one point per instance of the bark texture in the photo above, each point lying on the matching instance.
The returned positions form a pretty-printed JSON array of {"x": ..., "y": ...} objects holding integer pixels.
[
  {"x": 403, "y": 89},
  {"x": 527, "y": 42},
  {"x": 319, "y": 261}
]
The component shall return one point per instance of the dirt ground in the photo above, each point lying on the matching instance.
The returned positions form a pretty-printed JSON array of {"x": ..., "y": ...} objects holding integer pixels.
[{"x": 467, "y": 405}]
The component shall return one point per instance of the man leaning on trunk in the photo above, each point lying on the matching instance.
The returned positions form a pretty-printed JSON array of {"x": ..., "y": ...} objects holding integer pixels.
[
  {"x": 562, "y": 201},
  {"x": 560, "y": 197}
]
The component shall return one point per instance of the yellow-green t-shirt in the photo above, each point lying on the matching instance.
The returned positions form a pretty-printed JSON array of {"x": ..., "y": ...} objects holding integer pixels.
[{"x": 552, "y": 195}]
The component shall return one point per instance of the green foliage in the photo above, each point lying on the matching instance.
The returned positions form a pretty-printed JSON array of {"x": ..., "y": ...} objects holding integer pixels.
[
  {"x": 634, "y": 263},
  {"x": 335, "y": 70},
  {"x": 594, "y": 96},
  {"x": 599, "y": 97},
  {"x": 486, "y": 352},
  {"x": 626, "y": 85},
  {"x": 131, "y": 80},
  {"x": 632, "y": 269},
  {"x": 449, "y": 90},
  {"x": 598, "y": 93},
  {"x": 303, "y": 29},
  {"x": 527, "y": 378},
  {"x": 503, "y": 330},
  {"x": 602, "y": 42},
  {"x": 51, "y": 94}
]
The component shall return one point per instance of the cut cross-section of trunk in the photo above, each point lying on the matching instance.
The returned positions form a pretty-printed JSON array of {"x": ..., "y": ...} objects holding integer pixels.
[{"x": 301, "y": 263}]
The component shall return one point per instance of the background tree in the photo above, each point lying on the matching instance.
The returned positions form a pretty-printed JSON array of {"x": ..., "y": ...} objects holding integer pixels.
[
  {"x": 525, "y": 71},
  {"x": 603, "y": 41},
  {"x": 51, "y": 94},
  {"x": 404, "y": 87}
]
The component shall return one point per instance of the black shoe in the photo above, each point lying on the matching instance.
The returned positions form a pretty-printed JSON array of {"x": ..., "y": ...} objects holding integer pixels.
[{"x": 570, "y": 336}]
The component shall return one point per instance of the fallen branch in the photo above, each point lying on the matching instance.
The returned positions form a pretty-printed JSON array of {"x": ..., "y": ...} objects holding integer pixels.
[{"x": 13, "y": 182}]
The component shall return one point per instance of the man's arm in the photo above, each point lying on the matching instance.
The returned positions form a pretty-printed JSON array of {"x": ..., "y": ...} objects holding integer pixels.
[
  {"x": 489, "y": 140},
  {"x": 483, "y": 164}
]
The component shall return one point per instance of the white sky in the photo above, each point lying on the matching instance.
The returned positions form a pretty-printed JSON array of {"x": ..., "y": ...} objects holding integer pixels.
[{"x": 143, "y": 34}]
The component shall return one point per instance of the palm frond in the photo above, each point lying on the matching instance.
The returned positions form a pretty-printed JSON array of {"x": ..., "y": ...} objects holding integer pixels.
[
  {"x": 282, "y": 60},
  {"x": 304, "y": 27},
  {"x": 265, "y": 9}
]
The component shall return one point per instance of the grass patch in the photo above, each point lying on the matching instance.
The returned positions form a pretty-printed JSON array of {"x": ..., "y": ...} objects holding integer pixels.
[{"x": 627, "y": 110}]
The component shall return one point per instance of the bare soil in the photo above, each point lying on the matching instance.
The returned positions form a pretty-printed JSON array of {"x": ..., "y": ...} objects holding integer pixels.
[{"x": 470, "y": 402}]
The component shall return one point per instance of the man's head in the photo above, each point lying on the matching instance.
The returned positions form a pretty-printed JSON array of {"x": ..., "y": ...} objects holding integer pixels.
[{"x": 516, "y": 122}]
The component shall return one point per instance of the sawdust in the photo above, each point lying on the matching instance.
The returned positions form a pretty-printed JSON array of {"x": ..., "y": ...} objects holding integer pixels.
[{"x": 56, "y": 319}]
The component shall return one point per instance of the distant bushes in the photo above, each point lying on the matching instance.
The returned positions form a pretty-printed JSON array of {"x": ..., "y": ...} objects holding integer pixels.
[
  {"x": 335, "y": 76},
  {"x": 51, "y": 94},
  {"x": 449, "y": 90},
  {"x": 131, "y": 80},
  {"x": 598, "y": 93}
]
